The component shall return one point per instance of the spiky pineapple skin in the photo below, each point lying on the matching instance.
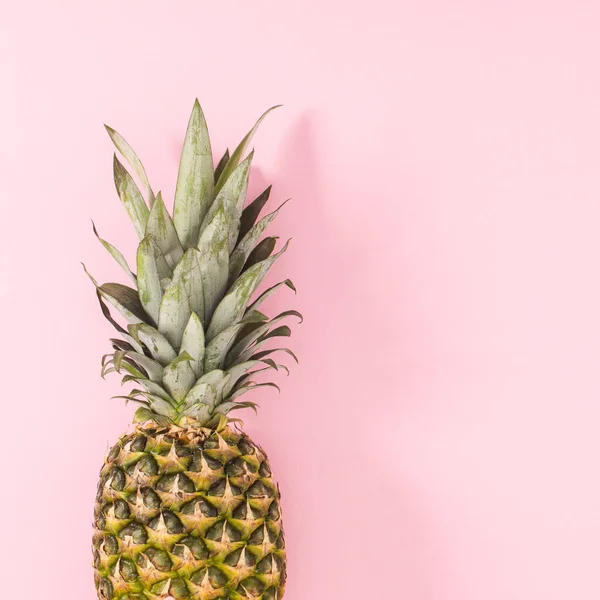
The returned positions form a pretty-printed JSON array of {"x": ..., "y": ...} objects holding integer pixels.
[{"x": 187, "y": 513}]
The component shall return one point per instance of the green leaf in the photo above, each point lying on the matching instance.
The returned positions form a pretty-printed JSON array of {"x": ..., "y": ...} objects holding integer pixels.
[
  {"x": 115, "y": 254},
  {"x": 151, "y": 387},
  {"x": 178, "y": 377},
  {"x": 263, "y": 250},
  {"x": 127, "y": 151},
  {"x": 128, "y": 343},
  {"x": 218, "y": 347},
  {"x": 131, "y": 367},
  {"x": 227, "y": 407},
  {"x": 123, "y": 298},
  {"x": 137, "y": 347},
  {"x": 283, "y": 331},
  {"x": 214, "y": 261},
  {"x": 192, "y": 342},
  {"x": 200, "y": 402},
  {"x": 232, "y": 198},
  {"x": 257, "y": 333},
  {"x": 247, "y": 244},
  {"x": 121, "y": 345},
  {"x": 132, "y": 370},
  {"x": 231, "y": 309},
  {"x": 114, "y": 359},
  {"x": 182, "y": 297},
  {"x": 145, "y": 414},
  {"x": 110, "y": 368},
  {"x": 251, "y": 212},
  {"x": 268, "y": 292},
  {"x": 249, "y": 388},
  {"x": 271, "y": 365},
  {"x": 160, "y": 227},
  {"x": 131, "y": 198},
  {"x": 160, "y": 405},
  {"x": 219, "y": 168},
  {"x": 216, "y": 380},
  {"x": 235, "y": 373},
  {"x": 157, "y": 344},
  {"x": 131, "y": 398},
  {"x": 106, "y": 313},
  {"x": 202, "y": 393},
  {"x": 128, "y": 339},
  {"x": 174, "y": 312},
  {"x": 239, "y": 152},
  {"x": 152, "y": 367},
  {"x": 151, "y": 267},
  {"x": 189, "y": 271},
  {"x": 254, "y": 352},
  {"x": 106, "y": 370},
  {"x": 261, "y": 355},
  {"x": 250, "y": 327},
  {"x": 195, "y": 180}
]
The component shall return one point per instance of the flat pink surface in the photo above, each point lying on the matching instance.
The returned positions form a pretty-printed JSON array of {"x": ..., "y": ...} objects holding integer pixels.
[{"x": 439, "y": 440}]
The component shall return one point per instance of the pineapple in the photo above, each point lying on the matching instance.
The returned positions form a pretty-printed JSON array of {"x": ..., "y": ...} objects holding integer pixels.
[{"x": 186, "y": 505}]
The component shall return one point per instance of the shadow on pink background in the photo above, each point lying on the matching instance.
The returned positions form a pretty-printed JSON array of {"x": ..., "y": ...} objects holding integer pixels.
[{"x": 439, "y": 439}]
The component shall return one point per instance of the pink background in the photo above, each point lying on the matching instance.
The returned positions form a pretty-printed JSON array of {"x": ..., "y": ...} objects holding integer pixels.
[{"x": 439, "y": 440}]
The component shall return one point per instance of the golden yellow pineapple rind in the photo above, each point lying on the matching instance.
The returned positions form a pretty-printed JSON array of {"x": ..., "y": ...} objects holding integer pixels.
[{"x": 190, "y": 513}]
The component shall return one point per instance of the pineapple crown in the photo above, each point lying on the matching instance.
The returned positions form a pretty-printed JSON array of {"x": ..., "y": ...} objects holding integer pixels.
[{"x": 193, "y": 339}]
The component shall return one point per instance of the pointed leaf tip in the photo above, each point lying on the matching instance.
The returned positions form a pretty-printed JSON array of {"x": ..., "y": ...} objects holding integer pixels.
[
  {"x": 248, "y": 244},
  {"x": 89, "y": 275},
  {"x": 195, "y": 179},
  {"x": 132, "y": 158},
  {"x": 252, "y": 211},
  {"x": 233, "y": 305},
  {"x": 115, "y": 253},
  {"x": 221, "y": 165},
  {"x": 236, "y": 157},
  {"x": 160, "y": 226},
  {"x": 131, "y": 197}
]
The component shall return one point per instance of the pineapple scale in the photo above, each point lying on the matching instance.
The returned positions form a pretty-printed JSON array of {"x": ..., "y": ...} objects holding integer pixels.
[{"x": 188, "y": 513}]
